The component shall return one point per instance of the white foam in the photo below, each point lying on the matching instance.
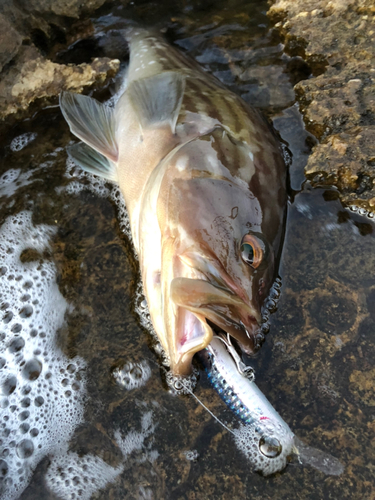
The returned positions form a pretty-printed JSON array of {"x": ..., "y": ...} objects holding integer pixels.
[
  {"x": 21, "y": 141},
  {"x": 136, "y": 440},
  {"x": 72, "y": 477},
  {"x": 132, "y": 375},
  {"x": 41, "y": 390},
  {"x": 247, "y": 439},
  {"x": 13, "y": 179}
]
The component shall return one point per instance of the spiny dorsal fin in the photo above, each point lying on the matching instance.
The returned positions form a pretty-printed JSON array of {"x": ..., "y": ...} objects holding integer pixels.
[
  {"x": 92, "y": 161},
  {"x": 90, "y": 121},
  {"x": 157, "y": 99}
]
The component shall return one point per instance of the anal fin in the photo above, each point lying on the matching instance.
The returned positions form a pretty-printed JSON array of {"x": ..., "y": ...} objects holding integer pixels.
[{"x": 92, "y": 161}]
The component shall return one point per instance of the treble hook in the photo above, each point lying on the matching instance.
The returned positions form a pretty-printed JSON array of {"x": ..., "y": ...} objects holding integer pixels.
[{"x": 244, "y": 370}]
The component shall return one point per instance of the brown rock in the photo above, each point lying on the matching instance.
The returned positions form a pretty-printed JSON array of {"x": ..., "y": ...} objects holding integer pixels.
[
  {"x": 337, "y": 39},
  {"x": 69, "y": 8},
  {"x": 10, "y": 42},
  {"x": 35, "y": 78}
]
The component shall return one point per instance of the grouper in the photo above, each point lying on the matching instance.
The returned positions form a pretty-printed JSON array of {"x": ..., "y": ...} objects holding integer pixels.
[{"x": 204, "y": 182}]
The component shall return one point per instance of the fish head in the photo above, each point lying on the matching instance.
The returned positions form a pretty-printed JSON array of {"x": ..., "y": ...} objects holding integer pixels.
[{"x": 220, "y": 242}]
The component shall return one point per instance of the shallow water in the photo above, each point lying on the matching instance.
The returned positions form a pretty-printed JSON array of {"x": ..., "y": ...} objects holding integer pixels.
[{"x": 131, "y": 438}]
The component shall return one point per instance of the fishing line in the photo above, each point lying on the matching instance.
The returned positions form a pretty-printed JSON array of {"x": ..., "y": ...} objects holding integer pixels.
[
  {"x": 199, "y": 401},
  {"x": 209, "y": 411}
]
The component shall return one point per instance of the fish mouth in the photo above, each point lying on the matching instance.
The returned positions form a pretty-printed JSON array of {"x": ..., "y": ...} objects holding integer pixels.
[{"x": 203, "y": 309}]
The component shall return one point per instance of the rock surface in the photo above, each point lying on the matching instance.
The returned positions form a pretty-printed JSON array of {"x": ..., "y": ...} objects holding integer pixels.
[
  {"x": 35, "y": 78},
  {"x": 28, "y": 31},
  {"x": 337, "y": 40}
]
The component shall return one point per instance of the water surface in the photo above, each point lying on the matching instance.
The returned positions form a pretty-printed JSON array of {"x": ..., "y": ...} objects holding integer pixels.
[{"x": 132, "y": 438}]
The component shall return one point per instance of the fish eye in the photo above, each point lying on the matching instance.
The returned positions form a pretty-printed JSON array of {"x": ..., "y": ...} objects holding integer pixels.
[
  {"x": 270, "y": 447},
  {"x": 251, "y": 251}
]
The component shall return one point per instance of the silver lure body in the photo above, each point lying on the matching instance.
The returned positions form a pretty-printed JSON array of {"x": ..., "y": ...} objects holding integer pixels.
[{"x": 265, "y": 438}]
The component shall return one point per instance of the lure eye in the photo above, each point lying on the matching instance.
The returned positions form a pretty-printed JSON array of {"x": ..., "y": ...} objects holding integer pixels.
[
  {"x": 251, "y": 251},
  {"x": 270, "y": 446}
]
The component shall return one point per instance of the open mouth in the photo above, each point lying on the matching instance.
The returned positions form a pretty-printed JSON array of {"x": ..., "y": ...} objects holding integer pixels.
[
  {"x": 196, "y": 309},
  {"x": 196, "y": 327}
]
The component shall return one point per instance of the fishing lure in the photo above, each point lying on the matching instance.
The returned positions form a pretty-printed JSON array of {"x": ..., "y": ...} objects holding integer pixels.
[{"x": 264, "y": 437}]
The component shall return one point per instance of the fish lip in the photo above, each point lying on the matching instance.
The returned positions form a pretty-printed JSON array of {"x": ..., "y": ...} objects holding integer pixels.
[
  {"x": 245, "y": 339},
  {"x": 219, "y": 306}
]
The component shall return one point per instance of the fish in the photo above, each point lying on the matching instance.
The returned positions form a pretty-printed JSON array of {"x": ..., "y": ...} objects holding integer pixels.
[{"x": 204, "y": 182}]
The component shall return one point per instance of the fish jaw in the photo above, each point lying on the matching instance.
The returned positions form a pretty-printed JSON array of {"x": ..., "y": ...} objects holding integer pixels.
[{"x": 218, "y": 305}]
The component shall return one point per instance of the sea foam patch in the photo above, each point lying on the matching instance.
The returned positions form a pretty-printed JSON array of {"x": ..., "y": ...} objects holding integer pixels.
[
  {"x": 71, "y": 476},
  {"x": 41, "y": 390}
]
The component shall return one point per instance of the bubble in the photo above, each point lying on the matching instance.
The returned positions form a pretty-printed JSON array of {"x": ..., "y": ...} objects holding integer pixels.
[
  {"x": 35, "y": 419},
  {"x": 16, "y": 345},
  {"x": 26, "y": 312},
  {"x": 270, "y": 446},
  {"x": 136, "y": 372},
  {"x": 3, "y": 468},
  {"x": 25, "y": 448},
  {"x": 32, "y": 369},
  {"x": 16, "y": 328},
  {"x": 25, "y": 402},
  {"x": 24, "y": 428},
  {"x": 17, "y": 144},
  {"x": 4, "y": 403},
  {"x": 7, "y": 318},
  {"x": 24, "y": 415},
  {"x": 191, "y": 455},
  {"x": 38, "y": 401},
  {"x": 9, "y": 385},
  {"x": 132, "y": 375},
  {"x": 26, "y": 390}
]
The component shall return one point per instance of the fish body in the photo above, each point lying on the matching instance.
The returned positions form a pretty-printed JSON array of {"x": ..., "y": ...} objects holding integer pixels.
[{"x": 204, "y": 184}]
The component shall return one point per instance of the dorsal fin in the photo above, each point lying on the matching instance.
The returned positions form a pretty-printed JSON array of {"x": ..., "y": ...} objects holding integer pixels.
[
  {"x": 157, "y": 99},
  {"x": 90, "y": 121},
  {"x": 92, "y": 161}
]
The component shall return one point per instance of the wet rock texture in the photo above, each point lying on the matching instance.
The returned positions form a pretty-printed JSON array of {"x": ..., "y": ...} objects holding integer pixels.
[
  {"x": 27, "y": 75},
  {"x": 337, "y": 40}
]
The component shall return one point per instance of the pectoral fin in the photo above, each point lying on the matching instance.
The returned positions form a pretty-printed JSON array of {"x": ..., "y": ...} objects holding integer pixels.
[
  {"x": 92, "y": 161},
  {"x": 157, "y": 99},
  {"x": 90, "y": 121}
]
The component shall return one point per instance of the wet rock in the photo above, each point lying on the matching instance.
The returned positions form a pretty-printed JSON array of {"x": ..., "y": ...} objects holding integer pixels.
[
  {"x": 332, "y": 312},
  {"x": 10, "y": 42},
  {"x": 29, "y": 31},
  {"x": 336, "y": 39},
  {"x": 36, "y": 78},
  {"x": 362, "y": 385},
  {"x": 69, "y": 8}
]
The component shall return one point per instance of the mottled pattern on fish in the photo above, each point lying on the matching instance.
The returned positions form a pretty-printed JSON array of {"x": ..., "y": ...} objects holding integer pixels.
[
  {"x": 204, "y": 94},
  {"x": 200, "y": 172}
]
